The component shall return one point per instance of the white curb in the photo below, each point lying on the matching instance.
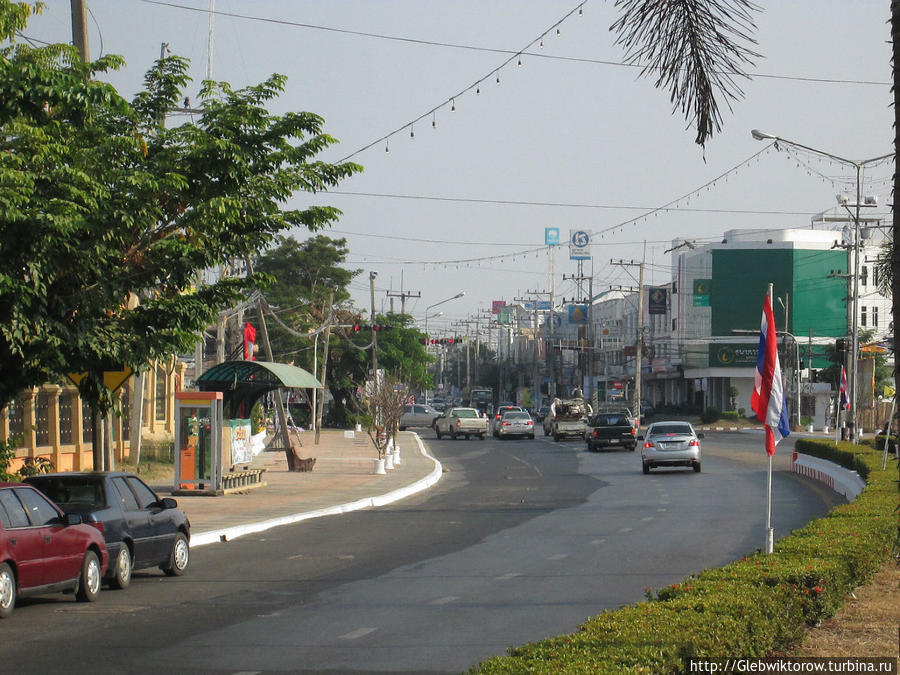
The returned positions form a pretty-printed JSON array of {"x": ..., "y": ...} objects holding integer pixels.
[{"x": 229, "y": 533}]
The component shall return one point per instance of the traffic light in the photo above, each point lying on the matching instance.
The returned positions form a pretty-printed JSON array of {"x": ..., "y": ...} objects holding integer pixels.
[
  {"x": 356, "y": 328},
  {"x": 841, "y": 345}
]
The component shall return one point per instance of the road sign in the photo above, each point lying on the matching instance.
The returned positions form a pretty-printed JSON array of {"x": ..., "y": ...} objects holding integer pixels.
[{"x": 579, "y": 245}]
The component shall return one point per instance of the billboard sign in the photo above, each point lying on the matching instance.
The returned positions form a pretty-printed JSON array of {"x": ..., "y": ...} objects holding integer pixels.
[{"x": 579, "y": 245}]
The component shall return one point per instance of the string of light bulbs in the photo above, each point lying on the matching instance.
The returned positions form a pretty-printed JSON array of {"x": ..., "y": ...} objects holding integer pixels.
[
  {"x": 804, "y": 159},
  {"x": 493, "y": 74}
]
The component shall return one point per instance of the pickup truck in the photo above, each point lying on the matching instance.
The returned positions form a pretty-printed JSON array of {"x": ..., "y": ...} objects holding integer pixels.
[
  {"x": 465, "y": 422},
  {"x": 610, "y": 430},
  {"x": 567, "y": 419}
]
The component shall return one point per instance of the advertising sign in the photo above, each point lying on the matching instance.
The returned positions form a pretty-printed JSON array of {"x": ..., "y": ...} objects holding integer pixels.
[
  {"x": 657, "y": 298},
  {"x": 577, "y": 314},
  {"x": 551, "y": 236},
  {"x": 497, "y": 305},
  {"x": 733, "y": 356},
  {"x": 579, "y": 245}
]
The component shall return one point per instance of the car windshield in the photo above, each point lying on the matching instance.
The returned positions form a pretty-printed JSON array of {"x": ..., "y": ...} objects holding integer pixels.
[
  {"x": 71, "y": 490},
  {"x": 669, "y": 430},
  {"x": 465, "y": 412}
]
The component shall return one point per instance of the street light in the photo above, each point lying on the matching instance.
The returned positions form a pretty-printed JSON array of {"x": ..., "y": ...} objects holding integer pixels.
[
  {"x": 854, "y": 214},
  {"x": 455, "y": 297}
]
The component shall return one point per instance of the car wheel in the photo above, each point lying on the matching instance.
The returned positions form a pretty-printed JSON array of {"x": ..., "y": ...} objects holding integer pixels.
[
  {"x": 480, "y": 437},
  {"x": 122, "y": 571},
  {"x": 631, "y": 448},
  {"x": 591, "y": 448},
  {"x": 179, "y": 558},
  {"x": 697, "y": 467},
  {"x": 7, "y": 590},
  {"x": 89, "y": 581},
  {"x": 546, "y": 432},
  {"x": 438, "y": 432},
  {"x": 646, "y": 467},
  {"x": 531, "y": 437},
  {"x": 453, "y": 434}
]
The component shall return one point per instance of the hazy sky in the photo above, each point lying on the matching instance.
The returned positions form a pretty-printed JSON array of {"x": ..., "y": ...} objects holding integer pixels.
[{"x": 570, "y": 139}]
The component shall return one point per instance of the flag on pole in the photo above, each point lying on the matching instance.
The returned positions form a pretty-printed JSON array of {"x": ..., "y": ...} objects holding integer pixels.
[
  {"x": 767, "y": 399},
  {"x": 845, "y": 391},
  {"x": 249, "y": 342}
]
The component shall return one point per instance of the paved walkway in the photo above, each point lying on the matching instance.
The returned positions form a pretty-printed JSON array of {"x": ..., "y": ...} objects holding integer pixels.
[{"x": 342, "y": 480}]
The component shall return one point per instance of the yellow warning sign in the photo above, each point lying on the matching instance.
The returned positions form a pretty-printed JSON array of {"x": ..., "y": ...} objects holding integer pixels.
[{"x": 112, "y": 379}]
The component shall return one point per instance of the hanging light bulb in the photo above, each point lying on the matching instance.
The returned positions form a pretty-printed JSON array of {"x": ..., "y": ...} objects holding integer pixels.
[
  {"x": 478, "y": 90},
  {"x": 498, "y": 77},
  {"x": 557, "y": 32},
  {"x": 542, "y": 42},
  {"x": 433, "y": 121},
  {"x": 452, "y": 105},
  {"x": 387, "y": 146},
  {"x": 412, "y": 132},
  {"x": 520, "y": 62},
  {"x": 580, "y": 13}
]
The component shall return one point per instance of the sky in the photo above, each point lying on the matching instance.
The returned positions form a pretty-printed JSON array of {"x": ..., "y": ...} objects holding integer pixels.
[{"x": 572, "y": 138}]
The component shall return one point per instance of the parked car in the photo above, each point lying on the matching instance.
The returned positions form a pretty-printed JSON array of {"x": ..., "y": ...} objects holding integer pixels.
[
  {"x": 501, "y": 409},
  {"x": 670, "y": 444},
  {"x": 515, "y": 423},
  {"x": 461, "y": 422},
  {"x": 141, "y": 530},
  {"x": 43, "y": 550},
  {"x": 418, "y": 415}
]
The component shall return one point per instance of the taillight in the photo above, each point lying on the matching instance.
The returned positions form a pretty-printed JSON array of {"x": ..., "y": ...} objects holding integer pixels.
[
  {"x": 694, "y": 443},
  {"x": 649, "y": 444},
  {"x": 528, "y": 423},
  {"x": 458, "y": 423},
  {"x": 504, "y": 424},
  {"x": 98, "y": 525}
]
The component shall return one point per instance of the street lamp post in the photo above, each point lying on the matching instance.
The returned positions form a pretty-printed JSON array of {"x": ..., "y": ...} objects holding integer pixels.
[
  {"x": 855, "y": 215},
  {"x": 455, "y": 297}
]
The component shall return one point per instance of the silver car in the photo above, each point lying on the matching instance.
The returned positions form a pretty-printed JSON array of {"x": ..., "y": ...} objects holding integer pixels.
[
  {"x": 670, "y": 444},
  {"x": 515, "y": 423},
  {"x": 418, "y": 415}
]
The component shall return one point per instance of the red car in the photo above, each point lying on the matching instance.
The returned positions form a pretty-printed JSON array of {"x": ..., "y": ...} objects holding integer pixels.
[{"x": 43, "y": 550}]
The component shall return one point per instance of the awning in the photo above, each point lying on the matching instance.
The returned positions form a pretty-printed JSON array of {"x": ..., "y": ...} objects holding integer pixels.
[{"x": 245, "y": 382}]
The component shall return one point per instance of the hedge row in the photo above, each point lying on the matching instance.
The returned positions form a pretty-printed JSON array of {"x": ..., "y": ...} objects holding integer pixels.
[{"x": 750, "y": 607}]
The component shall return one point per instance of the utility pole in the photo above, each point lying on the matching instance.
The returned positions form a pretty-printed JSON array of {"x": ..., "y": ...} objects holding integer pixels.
[
  {"x": 79, "y": 29},
  {"x": 640, "y": 333},
  {"x": 548, "y": 327},
  {"x": 403, "y": 295},
  {"x": 589, "y": 332},
  {"x": 372, "y": 276}
]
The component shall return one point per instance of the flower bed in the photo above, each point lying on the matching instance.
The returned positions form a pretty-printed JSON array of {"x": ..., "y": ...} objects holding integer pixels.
[{"x": 750, "y": 607}]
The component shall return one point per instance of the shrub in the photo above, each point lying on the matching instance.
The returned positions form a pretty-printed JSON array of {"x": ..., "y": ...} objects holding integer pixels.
[
  {"x": 751, "y": 607},
  {"x": 710, "y": 415},
  {"x": 731, "y": 415}
]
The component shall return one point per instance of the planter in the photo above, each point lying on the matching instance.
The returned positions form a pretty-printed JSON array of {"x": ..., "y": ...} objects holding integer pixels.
[
  {"x": 379, "y": 466},
  {"x": 397, "y": 459},
  {"x": 388, "y": 461}
]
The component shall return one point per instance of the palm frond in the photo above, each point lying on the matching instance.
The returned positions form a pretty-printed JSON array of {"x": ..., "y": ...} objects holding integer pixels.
[{"x": 697, "y": 50}]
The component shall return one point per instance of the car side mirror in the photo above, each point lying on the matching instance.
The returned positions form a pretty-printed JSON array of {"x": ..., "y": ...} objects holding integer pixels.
[
  {"x": 700, "y": 435},
  {"x": 73, "y": 519},
  {"x": 168, "y": 503}
]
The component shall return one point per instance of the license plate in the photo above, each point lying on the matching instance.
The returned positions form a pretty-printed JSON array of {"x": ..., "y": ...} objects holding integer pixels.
[{"x": 613, "y": 440}]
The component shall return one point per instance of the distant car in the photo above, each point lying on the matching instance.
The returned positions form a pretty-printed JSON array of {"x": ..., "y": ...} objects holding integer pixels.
[
  {"x": 541, "y": 413},
  {"x": 646, "y": 409},
  {"x": 464, "y": 422},
  {"x": 141, "y": 530},
  {"x": 43, "y": 550},
  {"x": 670, "y": 444},
  {"x": 418, "y": 415},
  {"x": 438, "y": 404},
  {"x": 495, "y": 420},
  {"x": 515, "y": 423}
]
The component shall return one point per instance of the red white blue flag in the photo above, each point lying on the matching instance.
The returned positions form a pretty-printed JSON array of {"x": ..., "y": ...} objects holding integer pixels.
[
  {"x": 845, "y": 391},
  {"x": 767, "y": 399}
]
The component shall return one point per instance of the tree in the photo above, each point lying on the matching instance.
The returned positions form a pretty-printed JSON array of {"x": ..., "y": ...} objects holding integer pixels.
[{"x": 101, "y": 203}]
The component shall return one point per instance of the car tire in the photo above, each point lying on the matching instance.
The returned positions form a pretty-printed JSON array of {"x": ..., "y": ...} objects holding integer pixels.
[
  {"x": 531, "y": 437},
  {"x": 697, "y": 467},
  {"x": 438, "y": 432},
  {"x": 466, "y": 436},
  {"x": 90, "y": 579},
  {"x": 591, "y": 447},
  {"x": 646, "y": 467},
  {"x": 179, "y": 558},
  {"x": 631, "y": 448},
  {"x": 480, "y": 437},
  {"x": 453, "y": 434},
  {"x": 546, "y": 431},
  {"x": 7, "y": 590},
  {"x": 122, "y": 569}
]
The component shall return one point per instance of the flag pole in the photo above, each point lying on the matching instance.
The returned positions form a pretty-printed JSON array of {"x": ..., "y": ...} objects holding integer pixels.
[{"x": 770, "y": 533}]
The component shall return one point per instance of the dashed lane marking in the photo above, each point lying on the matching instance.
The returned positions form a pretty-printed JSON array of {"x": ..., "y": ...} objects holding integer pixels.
[{"x": 358, "y": 633}]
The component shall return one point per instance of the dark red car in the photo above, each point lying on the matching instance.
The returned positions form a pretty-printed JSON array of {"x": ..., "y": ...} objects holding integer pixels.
[{"x": 43, "y": 550}]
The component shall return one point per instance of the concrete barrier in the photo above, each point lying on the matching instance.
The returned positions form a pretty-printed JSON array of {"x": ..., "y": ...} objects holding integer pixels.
[{"x": 843, "y": 481}]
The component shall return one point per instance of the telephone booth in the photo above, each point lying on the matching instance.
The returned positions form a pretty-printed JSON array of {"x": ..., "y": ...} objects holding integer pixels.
[{"x": 198, "y": 441}]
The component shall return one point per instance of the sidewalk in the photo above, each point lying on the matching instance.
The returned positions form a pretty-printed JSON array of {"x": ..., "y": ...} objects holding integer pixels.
[{"x": 342, "y": 480}]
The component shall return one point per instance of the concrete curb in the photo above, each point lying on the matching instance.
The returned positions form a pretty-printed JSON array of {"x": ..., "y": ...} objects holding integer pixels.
[
  {"x": 843, "y": 481},
  {"x": 228, "y": 533}
]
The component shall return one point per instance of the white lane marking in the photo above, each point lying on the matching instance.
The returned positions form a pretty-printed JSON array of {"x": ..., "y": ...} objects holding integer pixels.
[
  {"x": 358, "y": 633},
  {"x": 558, "y": 556},
  {"x": 661, "y": 510},
  {"x": 445, "y": 600},
  {"x": 508, "y": 576},
  {"x": 625, "y": 530},
  {"x": 528, "y": 464},
  {"x": 645, "y": 519},
  {"x": 597, "y": 542}
]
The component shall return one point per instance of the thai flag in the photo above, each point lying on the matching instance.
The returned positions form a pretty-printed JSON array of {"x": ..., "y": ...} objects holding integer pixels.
[
  {"x": 845, "y": 391},
  {"x": 767, "y": 399}
]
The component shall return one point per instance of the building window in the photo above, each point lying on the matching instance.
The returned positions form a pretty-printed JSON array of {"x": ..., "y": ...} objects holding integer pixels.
[
  {"x": 875, "y": 275},
  {"x": 875, "y": 317},
  {"x": 42, "y": 419},
  {"x": 65, "y": 418},
  {"x": 862, "y": 316},
  {"x": 87, "y": 423},
  {"x": 161, "y": 398},
  {"x": 864, "y": 276},
  {"x": 16, "y": 413}
]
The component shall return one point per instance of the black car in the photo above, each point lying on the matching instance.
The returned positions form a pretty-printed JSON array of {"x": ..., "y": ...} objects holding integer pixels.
[{"x": 141, "y": 530}]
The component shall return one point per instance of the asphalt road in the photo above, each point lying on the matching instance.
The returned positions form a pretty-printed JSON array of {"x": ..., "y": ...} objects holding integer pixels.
[{"x": 518, "y": 541}]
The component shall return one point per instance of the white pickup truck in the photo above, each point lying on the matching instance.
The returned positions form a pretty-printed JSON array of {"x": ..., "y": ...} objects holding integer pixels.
[{"x": 456, "y": 422}]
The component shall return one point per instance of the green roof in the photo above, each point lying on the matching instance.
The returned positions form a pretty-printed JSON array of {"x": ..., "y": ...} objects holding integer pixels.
[{"x": 245, "y": 382}]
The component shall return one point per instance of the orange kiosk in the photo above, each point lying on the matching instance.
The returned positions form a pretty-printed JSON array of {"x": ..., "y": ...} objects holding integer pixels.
[{"x": 198, "y": 438}]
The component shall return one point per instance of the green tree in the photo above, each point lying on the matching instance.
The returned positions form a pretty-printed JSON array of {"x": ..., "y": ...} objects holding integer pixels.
[{"x": 102, "y": 203}]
